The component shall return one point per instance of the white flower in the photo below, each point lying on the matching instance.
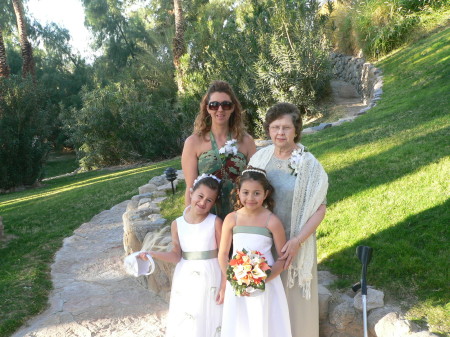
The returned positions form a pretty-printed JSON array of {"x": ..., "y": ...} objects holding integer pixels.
[
  {"x": 295, "y": 160},
  {"x": 229, "y": 148}
]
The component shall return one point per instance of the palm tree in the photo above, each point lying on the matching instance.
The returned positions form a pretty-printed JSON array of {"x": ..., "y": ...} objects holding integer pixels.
[
  {"x": 4, "y": 69},
  {"x": 25, "y": 45},
  {"x": 178, "y": 43}
]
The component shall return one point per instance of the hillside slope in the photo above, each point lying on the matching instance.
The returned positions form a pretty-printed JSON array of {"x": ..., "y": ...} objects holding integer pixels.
[{"x": 389, "y": 184}]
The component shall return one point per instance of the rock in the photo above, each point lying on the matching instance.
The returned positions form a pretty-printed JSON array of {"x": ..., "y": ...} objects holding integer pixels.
[
  {"x": 392, "y": 325},
  {"x": 325, "y": 278},
  {"x": 160, "y": 281},
  {"x": 150, "y": 187},
  {"x": 342, "y": 315},
  {"x": 159, "y": 200},
  {"x": 375, "y": 299},
  {"x": 321, "y": 126},
  {"x": 167, "y": 187},
  {"x": 324, "y": 298},
  {"x": 376, "y": 315},
  {"x": 158, "y": 180},
  {"x": 342, "y": 89}
]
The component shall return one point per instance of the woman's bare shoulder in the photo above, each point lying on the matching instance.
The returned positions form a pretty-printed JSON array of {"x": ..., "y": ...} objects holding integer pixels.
[
  {"x": 194, "y": 140},
  {"x": 247, "y": 138}
]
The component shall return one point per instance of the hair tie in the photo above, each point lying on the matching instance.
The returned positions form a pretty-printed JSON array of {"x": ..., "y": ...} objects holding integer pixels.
[
  {"x": 204, "y": 176},
  {"x": 254, "y": 170}
]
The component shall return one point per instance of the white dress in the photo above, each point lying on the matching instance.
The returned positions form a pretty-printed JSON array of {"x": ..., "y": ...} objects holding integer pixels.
[
  {"x": 193, "y": 311},
  {"x": 263, "y": 315}
]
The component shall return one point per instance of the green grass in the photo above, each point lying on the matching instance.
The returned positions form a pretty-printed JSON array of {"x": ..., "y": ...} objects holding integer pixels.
[
  {"x": 173, "y": 206},
  {"x": 60, "y": 163},
  {"x": 36, "y": 222},
  {"x": 389, "y": 185}
]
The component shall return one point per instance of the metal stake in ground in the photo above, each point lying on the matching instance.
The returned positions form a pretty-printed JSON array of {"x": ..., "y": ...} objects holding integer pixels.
[{"x": 364, "y": 255}]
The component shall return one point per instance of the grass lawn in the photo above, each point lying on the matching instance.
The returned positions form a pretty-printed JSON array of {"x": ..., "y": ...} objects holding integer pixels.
[
  {"x": 389, "y": 185},
  {"x": 60, "y": 163},
  {"x": 36, "y": 222},
  {"x": 389, "y": 189}
]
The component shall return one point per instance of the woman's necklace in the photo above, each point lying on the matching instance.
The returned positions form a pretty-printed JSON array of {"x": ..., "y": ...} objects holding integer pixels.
[{"x": 279, "y": 163}]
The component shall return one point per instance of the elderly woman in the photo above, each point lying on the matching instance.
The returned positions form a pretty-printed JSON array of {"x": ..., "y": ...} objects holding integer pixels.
[
  {"x": 219, "y": 144},
  {"x": 300, "y": 185}
]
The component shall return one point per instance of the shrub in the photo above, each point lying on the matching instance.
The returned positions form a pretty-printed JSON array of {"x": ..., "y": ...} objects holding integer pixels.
[
  {"x": 23, "y": 132},
  {"x": 121, "y": 123}
]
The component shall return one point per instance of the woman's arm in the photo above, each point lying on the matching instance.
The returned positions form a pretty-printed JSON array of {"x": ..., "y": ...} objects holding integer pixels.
[
  {"x": 279, "y": 239},
  {"x": 292, "y": 247},
  {"x": 220, "y": 296},
  {"x": 174, "y": 255},
  {"x": 189, "y": 165}
]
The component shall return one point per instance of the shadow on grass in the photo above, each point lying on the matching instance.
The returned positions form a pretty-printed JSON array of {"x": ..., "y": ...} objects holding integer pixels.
[
  {"x": 387, "y": 166},
  {"x": 401, "y": 262}
]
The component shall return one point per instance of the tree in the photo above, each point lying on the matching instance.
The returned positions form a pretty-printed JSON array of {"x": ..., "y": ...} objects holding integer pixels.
[
  {"x": 178, "y": 43},
  {"x": 28, "y": 67},
  {"x": 4, "y": 69}
]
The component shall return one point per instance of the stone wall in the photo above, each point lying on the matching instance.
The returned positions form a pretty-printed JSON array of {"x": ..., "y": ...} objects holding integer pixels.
[
  {"x": 362, "y": 75},
  {"x": 340, "y": 312}
]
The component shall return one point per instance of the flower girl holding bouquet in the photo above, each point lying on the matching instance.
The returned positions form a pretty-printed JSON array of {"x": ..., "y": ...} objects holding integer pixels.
[
  {"x": 255, "y": 303},
  {"x": 198, "y": 286}
]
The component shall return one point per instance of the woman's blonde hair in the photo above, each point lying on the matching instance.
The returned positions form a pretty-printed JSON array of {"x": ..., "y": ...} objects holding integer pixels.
[{"x": 202, "y": 124}]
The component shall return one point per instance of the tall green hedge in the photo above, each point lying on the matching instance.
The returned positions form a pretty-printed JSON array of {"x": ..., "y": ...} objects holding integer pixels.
[{"x": 23, "y": 132}]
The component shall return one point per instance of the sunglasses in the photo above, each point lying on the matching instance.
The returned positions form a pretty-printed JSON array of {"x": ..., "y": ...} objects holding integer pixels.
[{"x": 226, "y": 105}]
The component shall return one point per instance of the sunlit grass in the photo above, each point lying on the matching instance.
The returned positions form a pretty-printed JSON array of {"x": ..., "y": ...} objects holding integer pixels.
[
  {"x": 80, "y": 184},
  {"x": 389, "y": 185}
]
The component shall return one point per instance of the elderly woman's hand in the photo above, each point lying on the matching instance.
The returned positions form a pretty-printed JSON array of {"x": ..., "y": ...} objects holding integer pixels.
[{"x": 290, "y": 250}]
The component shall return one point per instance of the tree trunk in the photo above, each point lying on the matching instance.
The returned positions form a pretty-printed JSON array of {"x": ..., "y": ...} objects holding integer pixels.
[
  {"x": 4, "y": 69},
  {"x": 178, "y": 43},
  {"x": 27, "y": 51}
]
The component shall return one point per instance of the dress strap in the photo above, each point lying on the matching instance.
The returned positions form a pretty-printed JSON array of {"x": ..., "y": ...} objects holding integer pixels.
[
  {"x": 213, "y": 141},
  {"x": 267, "y": 221}
]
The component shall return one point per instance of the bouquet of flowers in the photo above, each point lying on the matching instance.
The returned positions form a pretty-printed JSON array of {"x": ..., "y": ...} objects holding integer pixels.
[
  {"x": 247, "y": 272},
  {"x": 230, "y": 148}
]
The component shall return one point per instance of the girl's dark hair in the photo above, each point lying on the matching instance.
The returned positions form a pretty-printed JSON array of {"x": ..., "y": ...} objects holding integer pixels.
[
  {"x": 279, "y": 110},
  {"x": 208, "y": 182},
  {"x": 259, "y": 175}
]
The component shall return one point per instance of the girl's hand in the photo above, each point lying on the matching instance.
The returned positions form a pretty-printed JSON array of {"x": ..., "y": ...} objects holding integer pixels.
[
  {"x": 143, "y": 256},
  {"x": 220, "y": 296},
  {"x": 290, "y": 250}
]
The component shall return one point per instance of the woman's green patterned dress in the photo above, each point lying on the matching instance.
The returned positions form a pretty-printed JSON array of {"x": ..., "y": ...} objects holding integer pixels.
[{"x": 227, "y": 169}]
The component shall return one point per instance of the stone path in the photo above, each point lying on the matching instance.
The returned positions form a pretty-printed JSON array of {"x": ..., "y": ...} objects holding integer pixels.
[{"x": 92, "y": 295}]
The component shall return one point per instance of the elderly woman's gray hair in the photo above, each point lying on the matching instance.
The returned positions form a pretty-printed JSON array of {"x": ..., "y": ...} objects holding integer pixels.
[{"x": 279, "y": 110}]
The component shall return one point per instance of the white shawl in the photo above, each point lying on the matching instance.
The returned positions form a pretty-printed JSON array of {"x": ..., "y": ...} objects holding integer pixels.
[{"x": 310, "y": 191}]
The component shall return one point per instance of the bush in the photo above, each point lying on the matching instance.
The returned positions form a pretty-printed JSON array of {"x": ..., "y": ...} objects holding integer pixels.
[
  {"x": 121, "y": 123},
  {"x": 376, "y": 26},
  {"x": 23, "y": 132}
]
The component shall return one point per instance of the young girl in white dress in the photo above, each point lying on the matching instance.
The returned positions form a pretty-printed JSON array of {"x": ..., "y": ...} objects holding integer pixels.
[
  {"x": 254, "y": 227},
  {"x": 198, "y": 287}
]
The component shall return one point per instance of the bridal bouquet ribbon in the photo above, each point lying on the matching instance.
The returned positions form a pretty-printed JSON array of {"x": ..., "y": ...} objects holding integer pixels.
[{"x": 247, "y": 272}]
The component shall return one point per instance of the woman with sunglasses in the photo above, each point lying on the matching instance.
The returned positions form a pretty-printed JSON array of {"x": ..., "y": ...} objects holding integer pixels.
[{"x": 219, "y": 144}]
